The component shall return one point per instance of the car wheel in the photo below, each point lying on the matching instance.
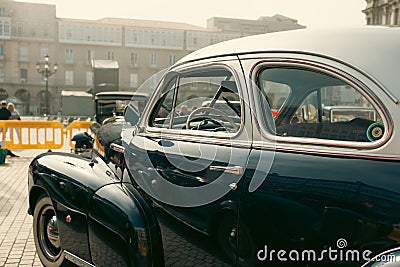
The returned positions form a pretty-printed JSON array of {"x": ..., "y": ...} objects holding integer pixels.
[
  {"x": 45, "y": 230},
  {"x": 227, "y": 239}
]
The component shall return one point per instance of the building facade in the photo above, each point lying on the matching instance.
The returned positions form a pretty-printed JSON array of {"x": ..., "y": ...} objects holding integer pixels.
[
  {"x": 245, "y": 27},
  {"x": 29, "y": 32},
  {"x": 382, "y": 12}
]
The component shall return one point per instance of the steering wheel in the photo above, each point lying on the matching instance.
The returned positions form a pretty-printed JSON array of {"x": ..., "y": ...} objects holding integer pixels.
[
  {"x": 211, "y": 110},
  {"x": 204, "y": 120}
]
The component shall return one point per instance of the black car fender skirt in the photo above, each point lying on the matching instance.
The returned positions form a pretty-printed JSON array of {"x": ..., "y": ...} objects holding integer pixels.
[{"x": 121, "y": 226}]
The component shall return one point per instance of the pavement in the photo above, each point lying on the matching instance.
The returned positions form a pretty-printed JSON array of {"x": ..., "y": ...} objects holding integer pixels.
[{"x": 17, "y": 247}]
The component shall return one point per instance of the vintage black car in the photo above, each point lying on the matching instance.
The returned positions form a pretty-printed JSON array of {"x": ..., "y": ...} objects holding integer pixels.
[{"x": 273, "y": 149}]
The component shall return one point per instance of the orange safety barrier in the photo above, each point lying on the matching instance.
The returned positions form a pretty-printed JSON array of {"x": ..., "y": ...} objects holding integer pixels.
[
  {"x": 32, "y": 134},
  {"x": 38, "y": 134}
]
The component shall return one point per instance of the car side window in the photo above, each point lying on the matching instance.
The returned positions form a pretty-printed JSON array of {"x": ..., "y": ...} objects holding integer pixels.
[
  {"x": 320, "y": 106},
  {"x": 201, "y": 100}
]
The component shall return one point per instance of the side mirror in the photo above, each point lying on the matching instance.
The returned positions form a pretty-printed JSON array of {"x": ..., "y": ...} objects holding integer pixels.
[
  {"x": 117, "y": 148},
  {"x": 117, "y": 155},
  {"x": 308, "y": 112},
  {"x": 131, "y": 115}
]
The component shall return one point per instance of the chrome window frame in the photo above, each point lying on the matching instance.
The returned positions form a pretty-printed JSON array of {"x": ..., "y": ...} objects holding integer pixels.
[
  {"x": 331, "y": 71},
  {"x": 182, "y": 134}
]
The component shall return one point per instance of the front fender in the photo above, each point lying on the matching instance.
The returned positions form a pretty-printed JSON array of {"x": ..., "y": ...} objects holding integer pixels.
[
  {"x": 122, "y": 228},
  {"x": 69, "y": 179}
]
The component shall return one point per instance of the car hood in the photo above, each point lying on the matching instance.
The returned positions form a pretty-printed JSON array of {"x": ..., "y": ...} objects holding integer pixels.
[{"x": 89, "y": 173}]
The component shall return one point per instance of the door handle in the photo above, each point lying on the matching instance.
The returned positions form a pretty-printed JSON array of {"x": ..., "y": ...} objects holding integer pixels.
[{"x": 236, "y": 170}]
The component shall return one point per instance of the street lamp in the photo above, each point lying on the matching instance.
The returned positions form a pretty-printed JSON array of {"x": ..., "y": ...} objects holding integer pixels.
[{"x": 46, "y": 72}]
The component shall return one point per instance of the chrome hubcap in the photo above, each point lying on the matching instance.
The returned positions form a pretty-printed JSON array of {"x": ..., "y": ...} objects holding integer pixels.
[
  {"x": 48, "y": 234},
  {"x": 52, "y": 232}
]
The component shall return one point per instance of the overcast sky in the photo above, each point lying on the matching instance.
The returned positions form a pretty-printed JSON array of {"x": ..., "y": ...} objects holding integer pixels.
[{"x": 311, "y": 13}]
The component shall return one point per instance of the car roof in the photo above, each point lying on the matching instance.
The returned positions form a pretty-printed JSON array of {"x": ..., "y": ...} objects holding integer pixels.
[{"x": 374, "y": 50}]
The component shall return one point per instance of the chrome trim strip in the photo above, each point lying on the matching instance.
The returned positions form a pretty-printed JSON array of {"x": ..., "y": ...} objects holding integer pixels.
[
  {"x": 190, "y": 133},
  {"x": 198, "y": 139},
  {"x": 76, "y": 260},
  {"x": 337, "y": 153},
  {"x": 329, "y": 70},
  {"x": 376, "y": 260}
]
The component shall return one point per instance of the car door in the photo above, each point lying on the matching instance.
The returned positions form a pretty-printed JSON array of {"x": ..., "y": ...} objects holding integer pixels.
[
  {"x": 189, "y": 155},
  {"x": 324, "y": 188}
]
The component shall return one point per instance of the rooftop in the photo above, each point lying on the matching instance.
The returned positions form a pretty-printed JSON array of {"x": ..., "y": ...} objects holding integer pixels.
[{"x": 142, "y": 23}]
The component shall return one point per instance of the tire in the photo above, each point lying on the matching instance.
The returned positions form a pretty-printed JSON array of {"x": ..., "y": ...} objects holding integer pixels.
[
  {"x": 244, "y": 253},
  {"x": 46, "y": 239}
]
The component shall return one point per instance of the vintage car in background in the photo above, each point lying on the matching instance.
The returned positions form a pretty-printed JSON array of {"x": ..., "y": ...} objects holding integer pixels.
[
  {"x": 269, "y": 149},
  {"x": 109, "y": 110},
  {"x": 113, "y": 103}
]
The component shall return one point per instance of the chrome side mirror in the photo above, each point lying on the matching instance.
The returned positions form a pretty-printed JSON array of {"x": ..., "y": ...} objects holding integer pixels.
[{"x": 117, "y": 148}]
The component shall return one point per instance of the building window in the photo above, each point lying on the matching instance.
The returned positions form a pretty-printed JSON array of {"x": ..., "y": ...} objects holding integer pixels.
[
  {"x": 69, "y": 33},
  {"x": 5, "y": 28},
  {"x": 86, "y": 33},
  {"x": 153, "y": 60},
  {"x": 2, "y": 12},
  {"x": 90, "y": 56},
  {"x": 44, "y": 51},
  {"x": 1, "y": 75},
  {"x": 46, "y": 29},
  {"x": 172, "y": 59},
  {"x": 110, "y": 55},
  {"x": 23, "y": 75},
  {"x": 1, "y": 51},
  {"x": 69, "y": 56},
  {"x": 23, "y": 53},
  {"x": 134, "y": 59},
  {"x": 69, "y": 77},
  {"x": 89, "y": 78},
  {"x": 133, "y": 80},
  {"x": 3, "y": 94}
]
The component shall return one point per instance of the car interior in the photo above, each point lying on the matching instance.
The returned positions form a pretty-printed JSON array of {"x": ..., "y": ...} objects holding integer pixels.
[
  {"x": 302, "y": 110},
  {"x": 206, "y": 101}
]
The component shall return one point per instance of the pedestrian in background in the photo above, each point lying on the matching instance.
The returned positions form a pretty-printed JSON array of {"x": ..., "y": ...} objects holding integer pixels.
[
  {"x": 5, "y": 114},
  {"x": 14, "y": 116}
]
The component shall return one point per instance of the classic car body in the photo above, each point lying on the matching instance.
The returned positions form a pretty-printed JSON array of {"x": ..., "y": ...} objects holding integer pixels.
[{"x": 234, "y": 153}]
